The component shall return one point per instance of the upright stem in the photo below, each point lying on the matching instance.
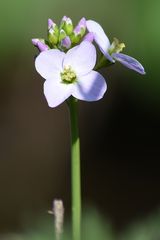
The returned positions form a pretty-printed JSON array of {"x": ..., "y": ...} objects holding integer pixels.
[{"x": 75, "y": 170}]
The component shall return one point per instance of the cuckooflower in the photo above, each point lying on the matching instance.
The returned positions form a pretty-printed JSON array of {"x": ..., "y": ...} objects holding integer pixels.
[
  {"x": 106, "y": 48},
  {"x": 70, "y": 73}
]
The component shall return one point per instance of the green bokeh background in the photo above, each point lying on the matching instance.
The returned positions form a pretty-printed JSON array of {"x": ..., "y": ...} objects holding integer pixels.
[
  {"x": 134, "y": 22},
  {"x": 34, "y": 139}
]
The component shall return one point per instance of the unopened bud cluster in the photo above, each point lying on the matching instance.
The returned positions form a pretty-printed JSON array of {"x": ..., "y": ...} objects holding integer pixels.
[{"x": 64, "y": 36}]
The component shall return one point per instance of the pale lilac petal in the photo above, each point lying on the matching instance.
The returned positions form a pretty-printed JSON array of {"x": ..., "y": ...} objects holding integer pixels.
[
  {"x": 90, "y": 87},
  {"x": 81, "y": 58},
  {"x": 49, "y": 63},
  {"x": 89, "y": 37},
  {"x": 56, "y": 92},
  {"x": 99, "y": 35},
  {"x": 129, "y": 62}
]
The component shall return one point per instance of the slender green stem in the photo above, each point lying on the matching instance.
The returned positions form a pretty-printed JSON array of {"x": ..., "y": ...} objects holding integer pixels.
[
  {"x": 103, "y": 62},
  {"x": 75, "y": 170}
]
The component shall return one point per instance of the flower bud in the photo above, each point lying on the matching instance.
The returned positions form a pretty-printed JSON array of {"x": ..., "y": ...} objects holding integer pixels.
[
  {"x": 66, "y": 42},
  {"x": 81, "y": 27},
  {"x": 75, "y": 38},
  {"x": 62, "y": 35},
  {"x": 51, "y": 24},
  {"x": 53, "y": 32},
  {"x": 66, "y": 25},
  {"x": 79, "y": 31},
  {"x": 40, "y": 44}
]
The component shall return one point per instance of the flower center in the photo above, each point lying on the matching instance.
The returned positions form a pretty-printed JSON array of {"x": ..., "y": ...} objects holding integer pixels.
[
  {"x": 116, "y": 46},
  {"x": 68, "y": 75}
]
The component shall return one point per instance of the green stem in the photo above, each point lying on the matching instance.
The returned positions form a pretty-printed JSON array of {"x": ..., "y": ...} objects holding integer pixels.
[
  {"x": 103, "y": 62},
  {"x": 75, "y": 170}
]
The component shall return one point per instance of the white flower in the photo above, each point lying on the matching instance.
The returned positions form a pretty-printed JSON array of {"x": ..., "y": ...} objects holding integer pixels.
[{"x": 70, "y": 73}]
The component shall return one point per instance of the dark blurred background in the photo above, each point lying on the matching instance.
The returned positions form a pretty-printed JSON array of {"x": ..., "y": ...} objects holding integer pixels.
[{"x": 120, "y": 145}]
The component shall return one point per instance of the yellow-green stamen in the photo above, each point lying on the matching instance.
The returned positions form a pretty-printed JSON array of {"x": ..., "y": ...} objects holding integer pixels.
[
  {"x": 68, "y": 75},
  {"x": 116, "y": 46}
]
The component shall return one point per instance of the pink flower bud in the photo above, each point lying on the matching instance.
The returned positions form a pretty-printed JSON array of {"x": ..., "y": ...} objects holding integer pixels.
[
  {"x": 66, "y": 42},
  {"x": 51, "y": 24},
  {"x": 40, "y": 44}
]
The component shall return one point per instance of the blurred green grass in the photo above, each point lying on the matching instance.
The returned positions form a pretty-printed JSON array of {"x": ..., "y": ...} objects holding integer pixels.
[{"x": 95, "y": 227}]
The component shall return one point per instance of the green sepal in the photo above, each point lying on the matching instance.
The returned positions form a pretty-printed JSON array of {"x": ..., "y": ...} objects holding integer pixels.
[
  {"x": 62, "y": 35},
  {"x": 53, "y": 35}
]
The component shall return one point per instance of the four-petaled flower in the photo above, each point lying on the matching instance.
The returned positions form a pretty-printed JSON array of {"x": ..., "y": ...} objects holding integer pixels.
[
  {"x": 70, "y": 73},
  {"x": 104, "y": 44}
]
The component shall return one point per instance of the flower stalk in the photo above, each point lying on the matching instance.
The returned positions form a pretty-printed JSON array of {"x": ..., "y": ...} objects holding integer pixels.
[
  {"x": 67, "y": 63},
  {"x": 75, "y": 169}
]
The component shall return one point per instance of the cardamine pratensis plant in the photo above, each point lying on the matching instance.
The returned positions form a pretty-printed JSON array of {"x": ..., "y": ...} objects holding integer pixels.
[{"x": 68, "y": 62}]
